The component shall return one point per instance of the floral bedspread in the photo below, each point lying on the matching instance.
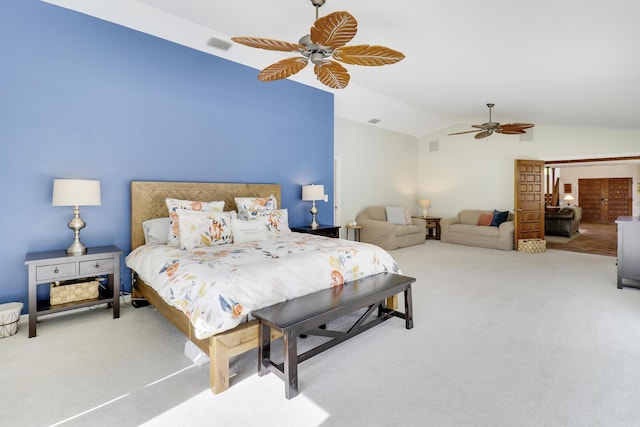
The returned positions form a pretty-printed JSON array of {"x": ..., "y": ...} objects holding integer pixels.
[{"x": 215, "y": 287}]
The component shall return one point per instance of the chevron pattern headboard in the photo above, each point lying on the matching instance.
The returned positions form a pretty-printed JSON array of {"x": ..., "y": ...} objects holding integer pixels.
[{"x": 148, "y": 199}]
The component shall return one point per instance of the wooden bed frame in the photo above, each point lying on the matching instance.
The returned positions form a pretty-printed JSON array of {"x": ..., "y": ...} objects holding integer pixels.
[{"x": 147, "y": 202}]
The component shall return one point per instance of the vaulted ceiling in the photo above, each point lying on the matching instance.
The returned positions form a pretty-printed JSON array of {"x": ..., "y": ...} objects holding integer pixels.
[{"x": 548, "y": 62}]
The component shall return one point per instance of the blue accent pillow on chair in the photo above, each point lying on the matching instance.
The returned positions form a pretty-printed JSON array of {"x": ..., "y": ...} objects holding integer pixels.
[{"x": 499, "y": 218}]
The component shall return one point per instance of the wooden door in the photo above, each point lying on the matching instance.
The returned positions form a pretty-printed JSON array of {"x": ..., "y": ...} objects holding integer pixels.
[
  {"x": 528, "y": 200},
  {"x": 603, "y": 200},
  {"x": 589, "y": 198}
]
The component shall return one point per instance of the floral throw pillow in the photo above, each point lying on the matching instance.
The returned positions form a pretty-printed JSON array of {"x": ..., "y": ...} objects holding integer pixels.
[
  {"x": 407, "y": 217},
  {"x": 276, "y": 221},
  {"x": 175, "y": 204},
  {"x": 248, "y": 207},
  {"x": 200, "y": 229}
]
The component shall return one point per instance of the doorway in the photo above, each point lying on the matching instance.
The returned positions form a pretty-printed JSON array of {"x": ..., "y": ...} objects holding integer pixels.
[{"x": 603, "y": 200}]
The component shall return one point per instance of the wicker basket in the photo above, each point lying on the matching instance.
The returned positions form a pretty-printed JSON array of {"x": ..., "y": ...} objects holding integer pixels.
[
  {"x": 9, "y": 317},
  {"x": 532, "y": 246},
  {"x": 71, "y": 291}
]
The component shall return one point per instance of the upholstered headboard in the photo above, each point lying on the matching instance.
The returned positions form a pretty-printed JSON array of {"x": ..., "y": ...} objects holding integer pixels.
[{"x": 148, "y": 199}]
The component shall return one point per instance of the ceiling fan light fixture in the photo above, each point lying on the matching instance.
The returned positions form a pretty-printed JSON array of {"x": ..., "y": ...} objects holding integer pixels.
[{"x": 317, "y": 57}]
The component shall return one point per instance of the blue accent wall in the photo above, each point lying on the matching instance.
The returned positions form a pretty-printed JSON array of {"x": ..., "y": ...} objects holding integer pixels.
[{"x": 84, "y": 98}]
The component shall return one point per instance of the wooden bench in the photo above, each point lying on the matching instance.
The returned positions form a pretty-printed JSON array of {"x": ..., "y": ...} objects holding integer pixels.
[{"x": 309, "y": 313}]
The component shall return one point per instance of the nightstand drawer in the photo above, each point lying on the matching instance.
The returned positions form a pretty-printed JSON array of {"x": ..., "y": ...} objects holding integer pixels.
[
  {"x": 55, "y": 271},
  {"x": 96, "y": 266}
]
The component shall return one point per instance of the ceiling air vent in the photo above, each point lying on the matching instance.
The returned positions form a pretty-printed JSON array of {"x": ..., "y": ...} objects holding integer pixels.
[
  {"x": 219, "y": 43},
  {"x": 374, "y": 121}
]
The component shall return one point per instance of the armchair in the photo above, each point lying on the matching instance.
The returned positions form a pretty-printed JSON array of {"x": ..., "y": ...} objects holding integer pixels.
[
  {"x": 387, "y": 235},
  {"x": 564, "y": 222}
]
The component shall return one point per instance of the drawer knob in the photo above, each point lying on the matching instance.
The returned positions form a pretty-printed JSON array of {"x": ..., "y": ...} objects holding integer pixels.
[
  {"x": 97, "y": 265},
  {"x": 56, "y": 270}
]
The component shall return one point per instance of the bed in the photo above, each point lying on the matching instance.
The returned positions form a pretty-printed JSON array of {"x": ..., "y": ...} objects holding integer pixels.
[{"x": 148, "y": 201}]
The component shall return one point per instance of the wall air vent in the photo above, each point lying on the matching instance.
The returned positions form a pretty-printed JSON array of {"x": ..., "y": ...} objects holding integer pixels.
[{"x": 527, "y": 136}]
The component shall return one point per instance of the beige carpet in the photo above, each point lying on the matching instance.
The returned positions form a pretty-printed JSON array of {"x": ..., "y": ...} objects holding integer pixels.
[{"x": 500, "y": 339}]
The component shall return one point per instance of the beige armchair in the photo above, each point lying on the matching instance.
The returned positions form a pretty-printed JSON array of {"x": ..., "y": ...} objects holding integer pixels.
[{"x": 389, "y": 236}]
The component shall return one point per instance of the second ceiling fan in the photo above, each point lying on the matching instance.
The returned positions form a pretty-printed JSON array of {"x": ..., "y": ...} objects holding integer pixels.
[
  {"x": 327, "y": 39},
  {"x": 487, "y": 129}
]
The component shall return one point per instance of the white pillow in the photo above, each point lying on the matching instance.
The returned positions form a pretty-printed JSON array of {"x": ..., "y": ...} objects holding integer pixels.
[
  {"x": 276, "y": 221},
  {"x": 395, "y": 215},
  {"x": 174, "y": 204},
  {"x": 248, "y": 207},
  {"x": 156, "y": 231},
  {"x": 248, "y": 231},
  {"x": 200, "y": 229}
]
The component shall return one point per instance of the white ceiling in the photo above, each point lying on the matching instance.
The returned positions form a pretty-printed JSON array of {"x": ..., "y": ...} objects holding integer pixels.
[{"x": 548, "y": 62}]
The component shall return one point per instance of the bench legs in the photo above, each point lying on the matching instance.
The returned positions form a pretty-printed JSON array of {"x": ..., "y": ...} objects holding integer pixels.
[
  {"x": 408, "y": 307},
  {"x": 264, "y": 349},
  {"x": 290, "y": 365}
]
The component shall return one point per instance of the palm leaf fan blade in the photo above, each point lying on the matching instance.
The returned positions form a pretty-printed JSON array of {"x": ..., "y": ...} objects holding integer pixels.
[
  {"x": 332, "y": 74},
  {"x": 510, "y": 131},
  {"x": 269, "y": 44},
  {"x": 367, "y": 55},
  {"x": 517, "y": 125},
  {"x": 467, "y": 131},
  {"x": 334, "y": 30},
  {"x": 282, "y": 69},
  {"x": 484, "y": 134}
]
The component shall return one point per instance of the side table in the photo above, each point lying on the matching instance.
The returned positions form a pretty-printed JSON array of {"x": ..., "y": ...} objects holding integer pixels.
[
  {"x": 356, "y": 231},
  {"x": 51, "y": 266},
  {"x": 432, "y": 227}
]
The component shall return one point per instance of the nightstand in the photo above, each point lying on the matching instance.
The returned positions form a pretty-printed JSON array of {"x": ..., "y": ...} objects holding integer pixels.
[
  {"x": 322, "y": 230},
  {"x": 53, "y": 266},
  {"x": 432, "y": 227}
]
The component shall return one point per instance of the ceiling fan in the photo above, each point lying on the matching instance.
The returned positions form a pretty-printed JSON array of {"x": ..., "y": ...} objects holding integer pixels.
[
  {"x": 327, "y": 39},
  {"x": 487, "y": 129}
]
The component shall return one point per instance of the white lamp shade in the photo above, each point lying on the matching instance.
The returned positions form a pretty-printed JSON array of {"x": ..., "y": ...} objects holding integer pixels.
[
  {"x": 568, "y": 198},
  {"x": 425, "y": 203},
  {"x": 312, "y": 192},
  {"x": 76, "y": 192}
]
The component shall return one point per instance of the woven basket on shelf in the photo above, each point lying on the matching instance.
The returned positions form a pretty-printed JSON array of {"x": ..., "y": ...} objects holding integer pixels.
[{"x": 64, "y": 292}]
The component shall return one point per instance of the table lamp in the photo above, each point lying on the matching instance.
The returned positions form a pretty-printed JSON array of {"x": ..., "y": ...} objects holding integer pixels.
[
  {"x": 313, "y": 193},
  {"x": 568, "y": 198},
  {"x": 425, "y": 204},
  {"x": 76, "y": 192}
]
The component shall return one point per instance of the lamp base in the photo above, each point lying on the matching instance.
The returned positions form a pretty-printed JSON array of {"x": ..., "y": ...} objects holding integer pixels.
[
  {"x": 76, "y": 224},
  {"x": 77, "y": 248},
  {"x": 314, "y": 224}
]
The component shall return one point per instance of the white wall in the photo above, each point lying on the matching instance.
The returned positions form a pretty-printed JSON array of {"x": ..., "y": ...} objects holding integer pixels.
[
  {"x": 571, "y": 175},
  {"x": 378, "y": 167},
  {"x": 468, "y": 173}
]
